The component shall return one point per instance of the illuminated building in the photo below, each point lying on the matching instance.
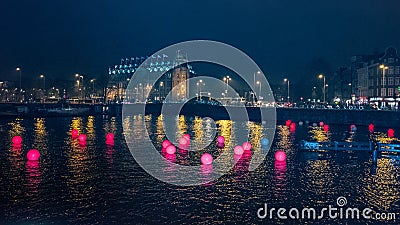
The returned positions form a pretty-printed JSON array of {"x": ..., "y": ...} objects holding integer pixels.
[
  {"x": 379, "y": 79},
  {"x": 175, "y": 72},
  {"x": 180, "y": 74}
]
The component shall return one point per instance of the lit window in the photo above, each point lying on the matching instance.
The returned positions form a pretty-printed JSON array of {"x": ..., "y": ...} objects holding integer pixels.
[
  {"x": 390, "y": 80},
  {"x": 397, "y": 81},
  {"x": 390, "y": 91},
  {"x": 391, "y": 69},
  {"x": 397, "y": 70},
  {"x": 383, "y": 91},
  {"x": 383, "y": 81}
]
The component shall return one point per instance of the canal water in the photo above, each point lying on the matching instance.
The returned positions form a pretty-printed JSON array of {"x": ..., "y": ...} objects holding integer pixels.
[{"x": 100, "y": 184}]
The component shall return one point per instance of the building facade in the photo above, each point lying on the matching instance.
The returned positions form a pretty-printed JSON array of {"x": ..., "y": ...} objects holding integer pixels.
[
  {"x": 379, "y": 79},
  {"x": 176, "y": 72},
  {"x": 181, "y": 73}
]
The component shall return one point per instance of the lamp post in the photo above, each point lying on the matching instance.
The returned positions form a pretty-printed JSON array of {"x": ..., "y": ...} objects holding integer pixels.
[
  {"x": 320, "y": 77},
  {"x": 384, "y": 68},
  {"x": 259, "y": 94},
  {"x": 83, "y": 88},
  {"x": 159, "y": 91},
  {"x": 44, "y": 85},
  {"x": 226, "y": 80},
  {"x": 93, "y": 81},
  {"x": 79, "y": 84},
  {"x": 20, "y": 77},
  {"x": 288, "y": 88},
  {"x": 199, "y": 88},
  {"x": 254, "y": 78}
]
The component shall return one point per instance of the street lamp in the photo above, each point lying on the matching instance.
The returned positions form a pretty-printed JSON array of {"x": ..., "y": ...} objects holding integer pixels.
[
  {"x": 288, "y": 88},
  {"x": 199, "y": 88},
  {"x": 83, "y": 86},
  {"x": 320, "y": 77},
  {"x": 44, "y": 84},
  {"x": 92, "y": 81},
  {"x": 159, "y": 91},
  {"x": 384, "y": 68},
  {"x": 259, "y": 95},
  {"x": 20, "y": 75},
  {"x": 226, "y": 80},
  {"x": 254, "y": 78}
]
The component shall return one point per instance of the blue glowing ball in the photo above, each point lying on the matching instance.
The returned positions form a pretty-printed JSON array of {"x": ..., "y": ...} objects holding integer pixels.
[{"x": 264, "y": 141}]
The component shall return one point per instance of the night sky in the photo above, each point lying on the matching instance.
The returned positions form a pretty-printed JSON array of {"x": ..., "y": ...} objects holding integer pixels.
[{"x": 292, "y": 39}]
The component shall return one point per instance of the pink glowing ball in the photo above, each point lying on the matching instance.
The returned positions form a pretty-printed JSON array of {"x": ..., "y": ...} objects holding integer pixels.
[
  {"x": 221, "y": 139},
  {"x": 33, "y": 155},
  {"x": 166, "y": 143},
  {"x": 371, "y": 127},
  {"x": 206, "y": 159},
  {"x": 238, "y": 150},
  {"x": 170, "y": 149},
  {"x": 390, "y": 133},
  {"x": 246, "y": 146},
  {"x": 288, "y": 122},
  {"x": 321, "y": 124},
  {"x": 187, "y": 136},
  {"x": 74, "y": 133},
  {"x": 82, "y": 138},
  {"x": 183, "y": 141},
  {"x": 292, "y": 127},
  {"x": 353, "y": 128},
  {"x": 280, "y": 156},
  {"x": 17, "y": 140},
  {"x": 110, "y": 136},
  {"x": 326, "y": 128}
]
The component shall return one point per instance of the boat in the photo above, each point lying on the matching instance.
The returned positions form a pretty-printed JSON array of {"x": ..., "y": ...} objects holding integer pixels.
[
  {"x": 64, "y": 108},
  {"x": 68, "y": 111}
]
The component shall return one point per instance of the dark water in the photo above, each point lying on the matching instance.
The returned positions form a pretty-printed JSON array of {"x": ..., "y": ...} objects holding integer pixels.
[{"x": 99, "y": 184}]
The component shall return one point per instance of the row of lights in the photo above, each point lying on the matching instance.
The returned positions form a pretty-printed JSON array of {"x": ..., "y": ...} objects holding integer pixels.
[{"x": 42, "y": 76}]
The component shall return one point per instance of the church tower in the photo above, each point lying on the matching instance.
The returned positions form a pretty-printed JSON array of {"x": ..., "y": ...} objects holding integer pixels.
[{"x": 180, "y": 74}]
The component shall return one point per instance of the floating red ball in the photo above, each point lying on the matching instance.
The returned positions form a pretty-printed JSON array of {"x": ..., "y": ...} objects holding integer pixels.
[
  {"x": 170, "y": 149},
  {"x": 206, "y": 159},
  {"x": 17, "y": 140},
  {"x": 166, "y": 143},
  {"x": 184, "y": 141},
  {"x": 74, "y": 133},
  {"x": 292, "y": 127},
  {"x": 326, "y": 127},
  {"x": 82, "y": 138},
  {"x": 390, "y": 133},
  {"x": 238, "y": 150},
  {"x": 110, "y": 136},
  {"x": 33, "y": 155},
  {"x": 371, "y": 127},
  {"x": 280, "y": 156},
  {"x": 246, "y": 146}
]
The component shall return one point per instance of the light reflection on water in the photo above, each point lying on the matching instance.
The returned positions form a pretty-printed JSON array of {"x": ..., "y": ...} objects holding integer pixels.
[{"x": 97, "y": 183}]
